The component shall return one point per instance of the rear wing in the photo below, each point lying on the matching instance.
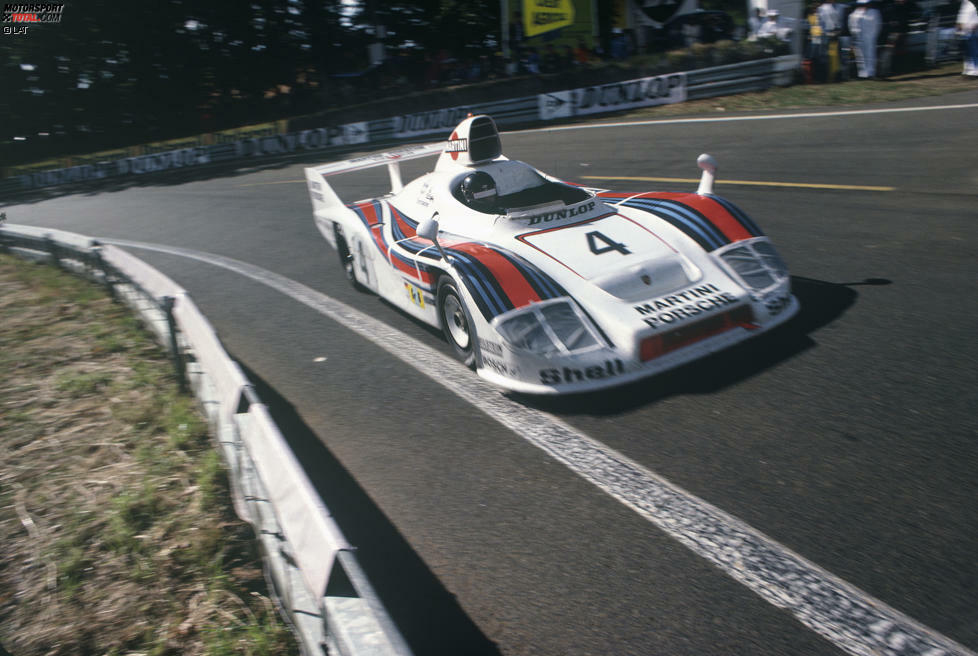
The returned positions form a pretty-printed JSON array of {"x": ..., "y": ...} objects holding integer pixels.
[{"x": 324, "y": 199}]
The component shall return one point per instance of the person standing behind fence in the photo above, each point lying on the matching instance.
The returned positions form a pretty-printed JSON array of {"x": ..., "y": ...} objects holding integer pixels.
[
  {"x": 755, "y": 21},
  {"x": 967, "y": 24},
  {"x": 772, "y": 27},
  {"x": 896, "y": 19},
  {"x": 830, "y": 19},
  {"x": 864, "y": 25},
  {"x": 814, "y": 63}
]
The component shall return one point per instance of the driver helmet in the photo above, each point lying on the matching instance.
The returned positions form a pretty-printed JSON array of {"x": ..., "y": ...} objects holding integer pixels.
[{"x": 479, "y": 190}]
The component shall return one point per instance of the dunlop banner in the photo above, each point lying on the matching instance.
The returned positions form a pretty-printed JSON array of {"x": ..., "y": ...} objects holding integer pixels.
[{"x": 631, "y": 94}]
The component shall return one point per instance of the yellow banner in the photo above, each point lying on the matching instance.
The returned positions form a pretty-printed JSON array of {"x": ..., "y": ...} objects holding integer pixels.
[{"x": 541, "y": 16}]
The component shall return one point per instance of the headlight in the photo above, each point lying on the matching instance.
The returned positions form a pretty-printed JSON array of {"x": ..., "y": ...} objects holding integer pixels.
[
  {"x": 548, "y": 328},
  {"x": 757, "y": 264}
]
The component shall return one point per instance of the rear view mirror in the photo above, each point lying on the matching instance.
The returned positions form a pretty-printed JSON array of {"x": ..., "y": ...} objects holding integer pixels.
[{"x": 428, "y": 229}]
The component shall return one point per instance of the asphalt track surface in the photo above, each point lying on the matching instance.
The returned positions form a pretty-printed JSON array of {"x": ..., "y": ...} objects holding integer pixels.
[{"x": 849, "y": 437}]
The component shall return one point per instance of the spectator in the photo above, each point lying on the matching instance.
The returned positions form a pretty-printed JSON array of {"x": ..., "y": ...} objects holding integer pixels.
[
  {"x": 967, "y": 26},
  {"x": 516, "y": 31},
  {"x": 511, "y": 67},
  {"x": 619, "y": 45},
  {"x": 830, "y": 21},
  {"x": 864, "y": 26},
  {"x": 691, "y": 33},
  {"x": 772, "y": 27},
  {"x": 897, "y": 23},
  {"x": 755, "y": 21},
  {"x": 532, "y": 61},
  {"x": 814, "y": 49}
]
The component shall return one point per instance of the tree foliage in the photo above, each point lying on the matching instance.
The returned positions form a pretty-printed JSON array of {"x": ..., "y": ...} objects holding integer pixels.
[{"x": 110, "y": 74}]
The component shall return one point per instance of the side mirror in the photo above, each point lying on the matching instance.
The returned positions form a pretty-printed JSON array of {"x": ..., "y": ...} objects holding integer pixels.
[
  {"x": 428, "y": 229},
  {"x": 709, "y": 166}
]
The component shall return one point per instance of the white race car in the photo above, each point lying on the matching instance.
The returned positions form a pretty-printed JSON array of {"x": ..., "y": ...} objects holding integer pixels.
[{"x": 546, "y": 287}]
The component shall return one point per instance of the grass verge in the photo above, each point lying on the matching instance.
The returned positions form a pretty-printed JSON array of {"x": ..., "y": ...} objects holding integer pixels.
[{"x": 119, "y": 535}]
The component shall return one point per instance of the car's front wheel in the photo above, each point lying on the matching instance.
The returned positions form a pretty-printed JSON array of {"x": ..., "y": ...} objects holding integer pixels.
[{"x": 456, "y": 322}]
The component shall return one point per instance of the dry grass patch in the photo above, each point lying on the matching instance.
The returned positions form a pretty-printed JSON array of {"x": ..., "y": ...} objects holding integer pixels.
[{"x": 118, "y": 531}]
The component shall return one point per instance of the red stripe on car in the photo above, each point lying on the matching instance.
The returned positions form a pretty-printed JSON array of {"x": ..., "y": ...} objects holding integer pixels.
[
  {"x": 717, "y": 214},
  {"x": 513, "y": 283}
]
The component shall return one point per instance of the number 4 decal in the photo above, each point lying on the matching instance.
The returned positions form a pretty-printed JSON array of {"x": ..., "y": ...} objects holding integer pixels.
[{"x": 594, "y": 237}]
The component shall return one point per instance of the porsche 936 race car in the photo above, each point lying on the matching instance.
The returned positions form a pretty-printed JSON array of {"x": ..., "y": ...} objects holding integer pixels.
[{"x": 547, "y": 287}]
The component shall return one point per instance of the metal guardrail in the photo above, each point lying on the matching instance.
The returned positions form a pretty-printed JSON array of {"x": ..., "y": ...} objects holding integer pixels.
[{"x": 313, "y": 570}]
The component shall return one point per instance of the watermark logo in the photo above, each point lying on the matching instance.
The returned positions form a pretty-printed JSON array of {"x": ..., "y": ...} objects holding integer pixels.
[{"x": 17, "y": 17}]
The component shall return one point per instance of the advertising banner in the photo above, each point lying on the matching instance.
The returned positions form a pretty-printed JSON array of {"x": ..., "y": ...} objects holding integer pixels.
[
  {"x": 152, "y": 163},
  {"x": 537, "y": 23},
  {"x": 316, "y": 139},
  {"x": 541, "y": 16},
  {"x": 439, "y": 121},
  {"x": 616, "y": 96}
]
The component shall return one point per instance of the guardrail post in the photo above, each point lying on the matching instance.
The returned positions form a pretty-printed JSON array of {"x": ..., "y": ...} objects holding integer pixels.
[
  {"x": 178, "y": 363},
  {"x": 54, "y": 249},
  {"x": 99, "y": 263},
  {"x": 4, "y": 248}
]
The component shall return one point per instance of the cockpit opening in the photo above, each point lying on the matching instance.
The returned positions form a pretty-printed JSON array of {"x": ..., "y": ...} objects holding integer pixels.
[{"x": 478, "y": 191}]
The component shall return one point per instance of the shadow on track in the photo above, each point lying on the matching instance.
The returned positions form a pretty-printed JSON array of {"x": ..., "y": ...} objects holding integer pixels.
[
  {"x": 427, "y": 615},
  {"x": 821, "y": 303}
]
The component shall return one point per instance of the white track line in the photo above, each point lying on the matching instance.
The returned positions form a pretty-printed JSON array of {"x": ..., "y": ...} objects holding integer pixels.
[{"x": 841, "y": 613}]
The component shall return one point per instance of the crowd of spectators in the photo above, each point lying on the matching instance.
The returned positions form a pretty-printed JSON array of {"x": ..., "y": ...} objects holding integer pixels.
[
  {"x": 413, "y": 69},
  {"x": 864, "y": 38},
  {"x": 870, "y": 38}
]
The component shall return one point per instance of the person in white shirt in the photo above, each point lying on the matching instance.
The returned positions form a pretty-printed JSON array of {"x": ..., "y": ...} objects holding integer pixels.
[
  {"x": 772, "y": 27},
  {"x": 755, "y": 21},
  {"x": 967, "y": 24},
  {"x": 830, "y": 19},
  {"x": 864, "y": 26}
]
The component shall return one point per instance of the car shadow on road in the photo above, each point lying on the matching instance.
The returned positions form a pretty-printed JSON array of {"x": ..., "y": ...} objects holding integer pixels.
[
  {"x": 427, "y": 615},
  {"x": 821, "y": 303}
]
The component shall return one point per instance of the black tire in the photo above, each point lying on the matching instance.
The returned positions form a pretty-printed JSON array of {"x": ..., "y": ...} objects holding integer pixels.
[
  {"x": 456, "y": 322},
  {"x": 346, "y": 259}
]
